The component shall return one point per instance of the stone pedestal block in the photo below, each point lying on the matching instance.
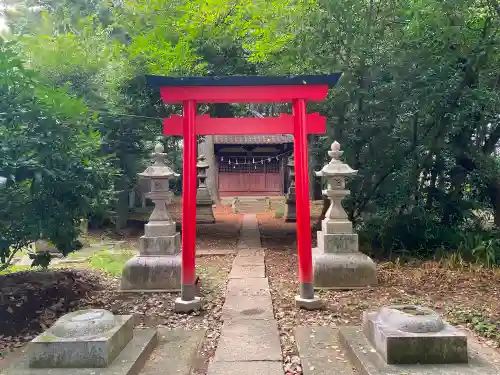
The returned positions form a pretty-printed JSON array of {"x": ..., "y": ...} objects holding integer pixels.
[
  {"x": 290, "y": 211},
  {"x": 152, "y": 274},
  {"x": 160, "y": 246},
  {"x": 414, "y": 334},
  {"x": 204, "y": 214},
  {"x": 337, "y": 243},
  {"x": 343, "y": 270},
  {"x": 87, "y": 338}
]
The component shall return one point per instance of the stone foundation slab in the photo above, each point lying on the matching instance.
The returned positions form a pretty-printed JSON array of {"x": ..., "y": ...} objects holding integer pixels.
[
  {"x": 368, "y": 362},
  {"x": 446, "y": 345},
  {"x": 152, "y": 273},
  {"x": 129, "y": 362},
  {"x": 71, "y": 343},
  {"x": 343, "y": 270}
]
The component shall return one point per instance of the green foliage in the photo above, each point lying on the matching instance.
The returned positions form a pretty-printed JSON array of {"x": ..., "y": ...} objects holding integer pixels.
[
  {"x": 110, "y": 262},
  {"x": 48, "y": 154},
  {"x": 416, "y": 111},
  {"x": 478, "y": 321}
]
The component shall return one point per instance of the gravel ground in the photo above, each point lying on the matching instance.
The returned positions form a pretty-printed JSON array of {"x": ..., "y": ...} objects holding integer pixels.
[
  {"x": 33, "y": 300},
  {"x": 467, "y": 297},
  {"x": 73, "y": 289}
]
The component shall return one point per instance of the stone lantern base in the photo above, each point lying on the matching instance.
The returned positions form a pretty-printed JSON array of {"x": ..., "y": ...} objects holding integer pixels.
[
  {"x": 338, "y": 264},
  {"x": 157, "y": 268},
  {"x": 290, "y": 210}
]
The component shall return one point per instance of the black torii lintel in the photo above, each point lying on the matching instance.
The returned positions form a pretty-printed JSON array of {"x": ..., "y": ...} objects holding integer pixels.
[{"x": 323, "y": 79}]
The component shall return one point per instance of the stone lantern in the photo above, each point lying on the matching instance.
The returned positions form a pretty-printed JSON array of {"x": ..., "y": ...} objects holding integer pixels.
[
  {"x": 337, "y": 260},
  {"x": 204, "y": 212},
  {"x": 158, "y": 265},
  {"x": 290, "y": 206}
]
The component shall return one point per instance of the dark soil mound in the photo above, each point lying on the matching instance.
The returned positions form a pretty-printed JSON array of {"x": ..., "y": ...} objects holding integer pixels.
[{"x": 31, "y": 300}]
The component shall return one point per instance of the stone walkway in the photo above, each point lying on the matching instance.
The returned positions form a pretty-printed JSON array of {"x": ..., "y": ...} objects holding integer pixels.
[{"x": 249, "y": 343}]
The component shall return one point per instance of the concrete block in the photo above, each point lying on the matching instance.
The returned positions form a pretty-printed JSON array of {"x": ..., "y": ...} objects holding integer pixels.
[
  {"x": 416, "y": 336},
  {"x": 343, "y": 270},
  {"x": 87, "y": 338},
  {"x": 129, "y": 361},
  {"x": 159, "y": 229},
  {"x": 165, "y": 245},
  {"x": 181, "y": 306},
  {"x": 366, "y": 360},
  {"x": 336, "y": 226},
  {"x": 338, "y": 243},
  {"x": 250, "y": 367},
  {"x": 308, "y": 303},
  {"x": 152, "y": 274}
]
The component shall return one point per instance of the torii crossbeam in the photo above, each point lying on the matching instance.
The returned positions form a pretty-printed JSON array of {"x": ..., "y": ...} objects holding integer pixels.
[{"x": 189, "y": 91}]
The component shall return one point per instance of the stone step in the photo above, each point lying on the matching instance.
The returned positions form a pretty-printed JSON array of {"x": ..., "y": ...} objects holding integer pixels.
[{"x": 251, "y": 207}]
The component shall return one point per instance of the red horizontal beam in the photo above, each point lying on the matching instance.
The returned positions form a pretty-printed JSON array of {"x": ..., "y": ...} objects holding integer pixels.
[
  {"x": 206, "y": 125},
  {"x": 243, "y": 94}
]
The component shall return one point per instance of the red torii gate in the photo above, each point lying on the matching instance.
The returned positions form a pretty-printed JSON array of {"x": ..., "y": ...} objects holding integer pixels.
[{"x": 189, "y": 91}]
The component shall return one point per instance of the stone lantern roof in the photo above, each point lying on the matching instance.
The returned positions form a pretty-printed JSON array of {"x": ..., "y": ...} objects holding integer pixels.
[
  {"x": 336, "y": 167},
  {"x": 159, "y": 170},
  {"x": 202, "y": 162}
]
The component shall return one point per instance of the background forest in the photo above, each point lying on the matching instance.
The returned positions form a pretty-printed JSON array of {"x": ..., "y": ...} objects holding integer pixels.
[{"x": 417, "y": 111}]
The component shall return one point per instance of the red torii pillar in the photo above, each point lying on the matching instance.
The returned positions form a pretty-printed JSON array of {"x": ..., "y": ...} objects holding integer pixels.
[{"x": 190, "y": 91}]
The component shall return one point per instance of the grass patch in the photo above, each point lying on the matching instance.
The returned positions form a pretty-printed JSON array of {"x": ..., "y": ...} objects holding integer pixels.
[
  {"x": 110, "y": 262},
  {"x": 15, "y": 268}
]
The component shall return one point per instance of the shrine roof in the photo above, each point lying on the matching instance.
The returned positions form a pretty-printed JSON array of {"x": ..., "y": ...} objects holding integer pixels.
[
  {"x": 322, "y": 79},
  {"x": 253, "y": 139}
]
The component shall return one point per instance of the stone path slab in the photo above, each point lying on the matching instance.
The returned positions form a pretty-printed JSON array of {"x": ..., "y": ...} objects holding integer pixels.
[
  {"x": 243, "y": 307},
  {"x": 243, "y": 253},
  {"x": 249, "y": 234},
  {"x": 320, "y": 351},
  {"x": 248, "y": 287},
  {"x": 246, "y": 272},
  {"x": 249, "y": 340},
  {"x": 248, "y": 260},
  {"x": 246, "y": 368},
  {"x": 176, "y": 353}
]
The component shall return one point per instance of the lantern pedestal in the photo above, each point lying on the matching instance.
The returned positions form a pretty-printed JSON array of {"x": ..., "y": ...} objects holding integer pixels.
[
  {"x": 338, "y": 264},
  {"x": 158, "y": 265},
  {"x": 290, "y": 203},
  {"x": 290, "y": 206},
  {"x": 204, "y": 202}
]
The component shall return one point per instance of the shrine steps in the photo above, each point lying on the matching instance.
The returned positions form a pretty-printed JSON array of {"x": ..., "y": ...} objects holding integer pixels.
[{"x": 252, "y": 204}]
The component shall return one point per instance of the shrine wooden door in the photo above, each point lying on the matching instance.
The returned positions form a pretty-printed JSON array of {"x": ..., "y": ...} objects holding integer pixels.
[{"x": 250, "y": 179}]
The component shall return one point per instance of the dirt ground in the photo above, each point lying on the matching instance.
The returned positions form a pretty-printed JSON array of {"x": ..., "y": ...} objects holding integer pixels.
[
  {"x": 468, "y": 297},
  {"x": 32, "y": 301}
]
